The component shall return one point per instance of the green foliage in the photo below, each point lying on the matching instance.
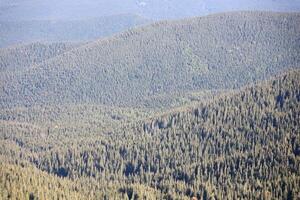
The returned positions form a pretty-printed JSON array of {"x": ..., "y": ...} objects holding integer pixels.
[
  {"x": 240, "y": 145},
  {"x": 223, "y": 51},
  {"x": 22, "y": 57},
  {"x": 151, "y": 114}
]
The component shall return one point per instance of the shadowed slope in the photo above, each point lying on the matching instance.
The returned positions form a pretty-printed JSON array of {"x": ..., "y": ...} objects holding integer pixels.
[
  {"x": 19, "y": 57},
  {"x": 221, "y": 51}
]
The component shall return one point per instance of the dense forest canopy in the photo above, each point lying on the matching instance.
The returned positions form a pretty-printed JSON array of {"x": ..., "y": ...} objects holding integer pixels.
[
  {"x": 240, "y": 145},
  {"x": 19, "y": 57},
  {"x": 223, "y": 51},
  {"x": 201, "y": 108}
]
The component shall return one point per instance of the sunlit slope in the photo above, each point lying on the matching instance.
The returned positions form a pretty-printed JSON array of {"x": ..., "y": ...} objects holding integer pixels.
[{"x": 241, "y": 145}]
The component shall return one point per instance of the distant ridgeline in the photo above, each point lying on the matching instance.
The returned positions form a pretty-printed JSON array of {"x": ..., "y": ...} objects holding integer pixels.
[
  {"x": 24, "y": 32},
  {"x": 217, "y": 52},
  {"x": 154, "y": 9}
]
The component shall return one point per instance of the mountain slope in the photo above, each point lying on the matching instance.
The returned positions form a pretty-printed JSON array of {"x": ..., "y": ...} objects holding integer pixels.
[
  {"x": 21, "y": 56},
  {"x": 27, "y": 182},
  {"x": 18, "y": 31},
  {"x": 241, "y": 145},
  {"x": 222, "y": 51}
]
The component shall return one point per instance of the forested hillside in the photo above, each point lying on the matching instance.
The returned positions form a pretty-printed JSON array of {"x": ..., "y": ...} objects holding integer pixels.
[
  {"x": 29, "y": 183},
  {"x": 201, "y": 108},
  {"x": 19, "y": 57},
  {"x": 222, "y": 51},
  {"x": 20, "y": 31},
  {"x": 240, "y": 145}
]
